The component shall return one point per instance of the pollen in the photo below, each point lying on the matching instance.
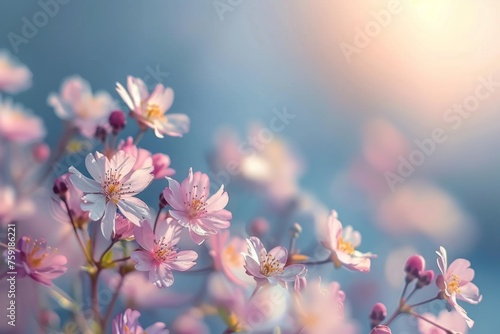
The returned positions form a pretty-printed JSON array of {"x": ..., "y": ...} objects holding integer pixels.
[
  {"x": 113, "y": 188},
  {"x": 164, "y": 251},
  {"x": 153, "y": 112},
  {"x": 270, "y": 266},
  {"x": 345, "y": 246},
  {"x": 195, "y": 206},
  {"x": 453, "y": 285}
]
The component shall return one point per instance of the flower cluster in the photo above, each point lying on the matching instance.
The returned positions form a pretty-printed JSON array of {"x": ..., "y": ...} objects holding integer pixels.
[{"x": 276, "y": 275}]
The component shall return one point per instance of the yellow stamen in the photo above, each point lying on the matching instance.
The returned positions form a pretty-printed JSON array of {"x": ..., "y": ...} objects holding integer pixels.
[{"x": 345, "y": 246}]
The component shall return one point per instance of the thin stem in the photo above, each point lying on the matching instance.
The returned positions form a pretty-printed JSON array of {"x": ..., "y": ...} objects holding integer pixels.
[
  {"x": 156, "y": 219},
  {"x": 84, "y": 249},
  {"x": 404, "y": 290},
  {"x": 425, "y": 301},
  {"x": 254, "y": 291},
  {"x": 317, "y": 262},
  {"x": 411, "y": 293},
  {"x": 79, "y": 317},
  {"x": 105, "y": 251},
  {"x": 112, "y": 303},
  {"x": 93, "y": 293},
  {"x": 139, "y": 136},
  {"x": 122, "y": 259},
  {"x": 416, "y": 315}
]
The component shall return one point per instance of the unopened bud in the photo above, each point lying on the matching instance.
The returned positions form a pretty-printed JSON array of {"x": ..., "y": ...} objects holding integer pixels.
[
  {"x": 414, "y": 265},
  {"x": 117, "y": 120},
  {"x": 163, "y": 201},
  {"x": 377, "y": 314},
  {"x": 425, "y": 278},
  {"x": 60, "y": 186},
  {"x": 381, "y": 329},
  {"x": 100, "y": 133}
]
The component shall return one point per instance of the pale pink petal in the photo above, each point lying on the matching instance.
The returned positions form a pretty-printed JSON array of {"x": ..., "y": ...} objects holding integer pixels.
[{"x": 144, "y": 261}]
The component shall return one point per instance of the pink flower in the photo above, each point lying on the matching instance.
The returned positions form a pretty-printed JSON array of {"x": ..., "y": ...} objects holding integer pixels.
[
  {"x": 124, "y": 228},
  {"x": 270, "y": 267},
  {"x": 455, "y": 283},
  {"x": 113, "y": 187},
  {"x": 77, "y": 104},
  {"x": 142, "y": 156},
  {"x": 161, "y": 166},
  {"x": 39, "y": 261},
  {"x": 14, "y": 77},
  {"x": 19, "y": 125},
  {"x": 194, "y": 209},
  {"x": 190, "y": 322},
  {"x": 343, "y": 243},
  {"x": 159, "y": 254},
  {"x": 226, "y": 253},
  {"x": 312, "y": 304},
  {"x": 149, "y": 110},
  {"x": 128, "y": 322},
  {"x": 451, "y": 320}
]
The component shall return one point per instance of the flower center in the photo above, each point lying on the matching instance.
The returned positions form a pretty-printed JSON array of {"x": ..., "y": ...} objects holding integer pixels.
[
  {"x": 232, "y": 256},
  {"x": 153, "y": 112},
  {"x": 164, "y": 251},
  {"x": 453, "y": 285},
  {"x": 112, "y": 188},
  {"x": 196, "y": 206},
  {"x": 270, "y": 266},
  {"x": 345, "y": 246},
  {"x": 33, "y": 258}
]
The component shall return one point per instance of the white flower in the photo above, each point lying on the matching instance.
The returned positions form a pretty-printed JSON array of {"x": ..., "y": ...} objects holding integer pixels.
[
  {"x": 113, "y": 187},
  {"x": 149, "y": 109}
]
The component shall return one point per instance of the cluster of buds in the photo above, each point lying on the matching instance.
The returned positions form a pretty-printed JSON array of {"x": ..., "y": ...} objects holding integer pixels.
[{"x": 415, "y": 269}]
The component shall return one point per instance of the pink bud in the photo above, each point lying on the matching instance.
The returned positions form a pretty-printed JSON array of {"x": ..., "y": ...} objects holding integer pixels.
[
  {"x": 414, "y": 265},
  {"x": 124, "y": 228},
  {"x": 259, "y": 227},
  {"x": 425, "y": 278},
  {"x": 381, "y": 329},
  {"x": 117, "y": 120},
  {"x": 161, "y": 166},
  {"x": 378, "y": 314},
  {"x": 41, "y": 152},
  {"x": 60, "y": 186}
]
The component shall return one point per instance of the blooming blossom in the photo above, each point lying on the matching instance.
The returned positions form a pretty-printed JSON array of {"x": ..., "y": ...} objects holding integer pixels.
[
  {"x": 311, "y": 303},
  {"x": 39, "y": 261},
  {"x": 150, "y": 109},
  {"x": 451, "y": 320},
  {"x": 194, "y": 209},
  {"x": 455, "y": 283},
  {"x": 77, "y": 104},
  {"x": 269, "y": 267},
  {"x": 14, "y": 77},
  {"x": 128, "y": 322},
  {"x": 113, "y": 187},
  {"x": 343, "y": 243},
  {"x": 18, "y": 124},
  {"x": 159, "y": 254}
]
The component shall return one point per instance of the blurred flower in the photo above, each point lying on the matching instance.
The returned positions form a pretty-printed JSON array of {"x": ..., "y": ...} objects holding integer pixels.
[
  {"x": 74, "y": 199},
  {"x": 128, "y": 322},
  {"x": 268, "y": 166},
  {"x": 193, "y": 209},
  {"x": 149, "y": 110},
  {"x": 451, "y": 320},
  {"x": 310, "y": 305},
  {"x": 142, "y": 156},
  {"x": 381, "y": 329},
  {"x": 190, "y": 322},
  {"x": 113, "y": 186},
  {"x": 14, "y": 77},
  {"x": 343, "y": 244},
  {"x": 41, "y": 152},
  {"x": 77, "y": 105},
  {"x": 39, "y": 261},
  {"x": 138, "y": 292},
  {"x": 270, "y": 267},
  {"x": 455, "y": 282},
  {"x": 18, "y": 124},
  {"x": 14, "y": 207},
  {"x": 159, "y": 253},
  {"x": 226, "y": 253},
  {"x": 161, "y": 166}
]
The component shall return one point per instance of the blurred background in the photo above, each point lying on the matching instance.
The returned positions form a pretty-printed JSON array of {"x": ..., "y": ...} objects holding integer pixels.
[{"x": 389, "y": 114}]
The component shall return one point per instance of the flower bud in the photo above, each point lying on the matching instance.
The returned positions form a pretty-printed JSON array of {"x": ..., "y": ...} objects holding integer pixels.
[
  {"x": 60, "y": 187},
  {"x": 381, "y": 329},
  {"x": 414, "y": 265},
  {"x": 124, "y": 228},
  {"x": 377, "y": 314},
  {"x": 163, "y": 201},
  {"x": 100, "y": 133},
  {"x": 41, "y": 152},
  {"x": 259, "y": 227},
  {"x": 161, "y": 166},
  {"x": 295, "y": 230},
  {"x": 425, "y": 278},
  {"x": 117, "y": 120}
]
